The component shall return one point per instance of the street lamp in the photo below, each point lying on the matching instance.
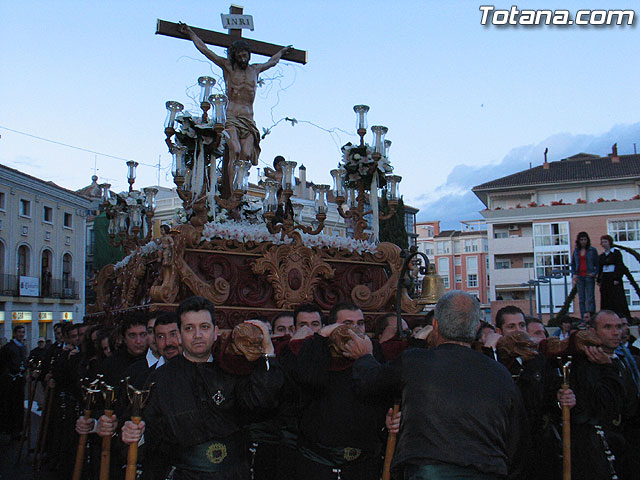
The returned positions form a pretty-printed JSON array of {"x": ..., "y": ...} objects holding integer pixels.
[{"x": 530, "y": 284}]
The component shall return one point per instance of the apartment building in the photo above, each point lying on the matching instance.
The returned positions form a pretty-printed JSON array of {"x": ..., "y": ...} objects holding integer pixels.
[
  {"x": 461, "y": 260},
  {"x": 42, "y": 254},
  {"x": 426, "y": 232},
  {"x": 534, "y": 216}
]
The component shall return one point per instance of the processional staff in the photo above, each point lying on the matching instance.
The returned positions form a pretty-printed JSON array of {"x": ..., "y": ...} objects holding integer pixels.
[
  {"x": 109, "y": 395},
  {"x": 137, "y": 399},
  {"x": 391, "y": 446},
  {"x": 90, "y": 391},
  {"x": 566, "y": 426},
  {"x": 46, "y": 419},
  {"x": 32, "y": 379}
]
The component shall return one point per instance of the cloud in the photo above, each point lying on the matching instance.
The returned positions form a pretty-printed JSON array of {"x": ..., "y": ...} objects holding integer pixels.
[{"x": 453, "y": 201}]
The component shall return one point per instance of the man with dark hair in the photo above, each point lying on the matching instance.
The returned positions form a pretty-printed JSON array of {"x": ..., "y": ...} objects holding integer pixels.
[
  {"x": 308, "y": 315},
  {"x": 510, "y": 319},
  {"x": 13, "y": 362},
  {"x": 283, "y": 324},
  {"x": 535, "y": 329},
  {"x": 535, "y": 379},
  {"x": 197, "y": 410},
  {"x": 347, "y": 313},
  {"x": 462, "y": 415},
  {"x": 607, "y": 402},
  {"x": 167, "y": 335},
  {"x": 134, "y": 348},
  {"x": 165, "y": 329},
  {"x": 66, "y": 380},
  {"x": 339, "y": 429}
]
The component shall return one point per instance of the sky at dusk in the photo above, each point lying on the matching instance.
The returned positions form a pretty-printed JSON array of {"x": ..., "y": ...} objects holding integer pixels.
[{"x": 464, "y": 103}]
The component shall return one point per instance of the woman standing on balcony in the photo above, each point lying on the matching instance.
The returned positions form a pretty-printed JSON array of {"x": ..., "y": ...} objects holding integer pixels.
[
  {"x": 584, "y": 268},
  {"x": 610, "y": 272}
]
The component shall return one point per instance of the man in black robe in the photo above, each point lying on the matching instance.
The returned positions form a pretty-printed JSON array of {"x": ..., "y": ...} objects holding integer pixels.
[
  {"x": 340, "y": 429},
  {"x": 539, "y": 384},
  {"x": 462, "y": 415},
  {"x": 197, "y": 411},
  {"x": 611, "y": 270},
  {"x": 607, "y": 406},
  {"x": 134, "y": 348},
  {"x": 13, "y": 357}
]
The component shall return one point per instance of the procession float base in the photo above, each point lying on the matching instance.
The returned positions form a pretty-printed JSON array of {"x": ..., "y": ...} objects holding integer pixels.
[{"x": 247, "y": 278}]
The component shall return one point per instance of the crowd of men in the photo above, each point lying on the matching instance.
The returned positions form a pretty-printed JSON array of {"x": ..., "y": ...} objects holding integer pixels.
[{"x": 307, "y": 397}]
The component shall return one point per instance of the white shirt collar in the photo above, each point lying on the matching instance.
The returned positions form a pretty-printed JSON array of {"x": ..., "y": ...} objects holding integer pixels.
[{"x": 151, "y": 358}]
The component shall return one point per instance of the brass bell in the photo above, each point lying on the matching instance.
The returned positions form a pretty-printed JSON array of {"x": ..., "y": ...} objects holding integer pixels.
[{"x": 432, "y": 287}]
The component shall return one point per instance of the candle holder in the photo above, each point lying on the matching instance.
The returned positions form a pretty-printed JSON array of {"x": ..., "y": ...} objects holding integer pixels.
[
  {"x": 173, "y": 108},
  {"x": 206, "y": 84},
  {"x": 131, "y": 175},
  {"x": 362, "y": 174},
  {"x": 219, "y": 103},
  {"x": 361, "y": 121},
  {"x": 130, "y": 214}
]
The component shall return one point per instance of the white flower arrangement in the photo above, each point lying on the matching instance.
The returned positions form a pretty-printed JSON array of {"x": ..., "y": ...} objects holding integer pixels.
[
  {"x": 144, "y": 251},
  {"x": 358, "y": 163},
  {"x": 251, "y": 232}
]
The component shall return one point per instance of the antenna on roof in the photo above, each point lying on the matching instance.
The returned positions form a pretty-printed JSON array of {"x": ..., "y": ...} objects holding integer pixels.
[{"x": 635, "y": 152}]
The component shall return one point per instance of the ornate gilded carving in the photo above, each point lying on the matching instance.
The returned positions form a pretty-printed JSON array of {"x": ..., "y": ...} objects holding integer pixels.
[
  {"x": 389, "y": 254},
  {"x": 293, "y": 270},
  {"x": 101, "y": 286},
  {"x": 167, "y": 290},
  {"x": 175, "y": 271}
]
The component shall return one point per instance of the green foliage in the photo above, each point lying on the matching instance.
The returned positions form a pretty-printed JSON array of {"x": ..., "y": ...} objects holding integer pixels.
[
  {"x": 104, "y": 253},
  {"x": 393, "y": 229}
]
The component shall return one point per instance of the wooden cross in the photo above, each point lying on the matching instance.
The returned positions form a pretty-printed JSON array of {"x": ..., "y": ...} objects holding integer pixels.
[{"x": 171, "y": 29}]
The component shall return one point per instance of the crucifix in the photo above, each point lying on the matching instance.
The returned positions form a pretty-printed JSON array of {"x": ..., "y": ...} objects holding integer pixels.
[{"x": 241, "y": 81}]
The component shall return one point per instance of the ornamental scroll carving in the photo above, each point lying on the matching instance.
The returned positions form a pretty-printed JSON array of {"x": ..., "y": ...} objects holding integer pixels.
[
  {"x": 374, "y": 301},
  {"x": 293, "y": 271},
  {"x": 102, "y": 288},
  {"x": 175, "y": 270}
]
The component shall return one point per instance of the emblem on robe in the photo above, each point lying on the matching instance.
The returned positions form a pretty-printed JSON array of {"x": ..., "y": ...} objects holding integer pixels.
[
  {"x": 350, "y": 454},
  {"x": 217, "y": 452},
  {"x": 218, "y": 398}
]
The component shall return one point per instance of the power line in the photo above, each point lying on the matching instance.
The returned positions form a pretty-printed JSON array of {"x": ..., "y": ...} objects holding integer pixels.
[{"x": 74, "y": 147}]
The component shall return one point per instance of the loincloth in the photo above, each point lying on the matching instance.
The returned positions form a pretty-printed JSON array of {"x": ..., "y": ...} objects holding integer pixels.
[{"x": 246, "y": 127}]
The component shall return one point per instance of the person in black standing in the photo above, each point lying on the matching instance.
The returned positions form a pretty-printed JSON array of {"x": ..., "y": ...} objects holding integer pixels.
[
  {"x": 340, "y": 429},
  {"x": 134, "y": 348},
  {"x": 611, "y": 270},
  {"x": 462, "y": 415},
  {"x": 607, "y": 406},
  {"x": 197, "y": 411},
  {"x": 13, "y": 356}
]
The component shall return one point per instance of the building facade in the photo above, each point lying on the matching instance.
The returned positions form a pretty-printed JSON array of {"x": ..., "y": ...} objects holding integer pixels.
[
  {"x": 460, "y": 257},
  {"x": 533, "y": 218},
  {"x": 42, "y": 254},
  {"x": 426, "y": 232}
]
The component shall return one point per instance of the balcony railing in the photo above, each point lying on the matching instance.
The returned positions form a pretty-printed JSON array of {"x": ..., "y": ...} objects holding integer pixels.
[{"x": 48, "y": 288}]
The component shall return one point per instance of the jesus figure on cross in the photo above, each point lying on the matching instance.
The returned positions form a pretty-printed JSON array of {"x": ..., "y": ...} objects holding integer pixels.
[{"x": 241, "y": 81}]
